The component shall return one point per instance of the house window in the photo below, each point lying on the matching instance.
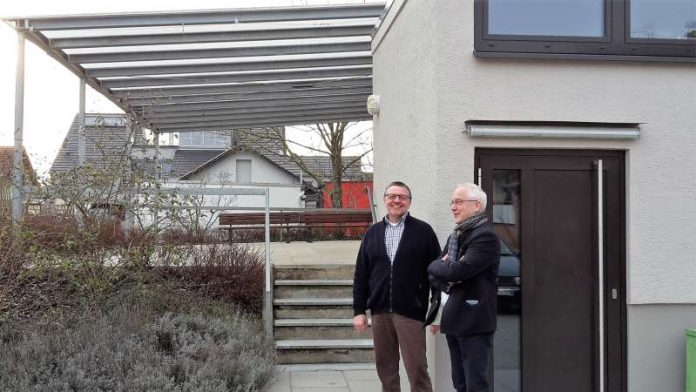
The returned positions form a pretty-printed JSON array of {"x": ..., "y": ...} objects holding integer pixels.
[
  {"x": 641, "y": 30},
  {"x": 219, "y": 140},
  {"x": 243, "y": 169},
  {"x": 191, "y": 139}
]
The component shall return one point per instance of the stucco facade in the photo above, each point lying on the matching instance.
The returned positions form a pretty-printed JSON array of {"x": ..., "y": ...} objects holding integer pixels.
[{"x": 430, "y": 83}]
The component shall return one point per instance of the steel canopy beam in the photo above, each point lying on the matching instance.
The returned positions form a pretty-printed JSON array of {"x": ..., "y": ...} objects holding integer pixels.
[
  {"x": 154, "y": 112},
  {"x": 215, "y": 36},
  {"x": 305, "y": 85},
  {"x": 273, "y": 98},
  {"x": 271, "y": 122},
  {"x": 237, "y": 110},
  {"x": 252, "y": 15},
  {"x": 222, "y": 120},
  {"x": 311, "y": 117},
  {"x": 171, "y": 103},
  {"x": 229, "y": 67},
  {"x": 187, "y": 54},
  {"x": 259, "y": 114},
  {"x": 237, "y": 78}
]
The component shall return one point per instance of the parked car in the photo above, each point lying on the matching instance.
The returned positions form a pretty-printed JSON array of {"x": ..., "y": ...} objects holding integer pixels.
[{"x": 509, "y": 282}]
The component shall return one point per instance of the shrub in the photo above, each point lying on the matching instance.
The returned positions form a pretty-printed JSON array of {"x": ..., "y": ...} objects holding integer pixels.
[
  {"x": 132, "y": 347},
  {"x": 232, "y": 274}
]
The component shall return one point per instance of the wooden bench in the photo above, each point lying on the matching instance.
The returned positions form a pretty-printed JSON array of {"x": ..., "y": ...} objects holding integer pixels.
[{"x": 305, "y": 220}]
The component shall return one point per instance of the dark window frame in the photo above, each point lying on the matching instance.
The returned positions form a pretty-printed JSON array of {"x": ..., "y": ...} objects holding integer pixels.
[{"x": 616, "y": 44}]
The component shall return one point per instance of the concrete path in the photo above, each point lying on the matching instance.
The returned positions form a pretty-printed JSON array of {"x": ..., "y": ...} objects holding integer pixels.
[{"x": 316, "y": 378}]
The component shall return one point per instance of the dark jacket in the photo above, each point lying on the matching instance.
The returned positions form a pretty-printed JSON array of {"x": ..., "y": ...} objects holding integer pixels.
[
  {"x": 403, "y": 287},
  {"x": 471, "y": 307}
]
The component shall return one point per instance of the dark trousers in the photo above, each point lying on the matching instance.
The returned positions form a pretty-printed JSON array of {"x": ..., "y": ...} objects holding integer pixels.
[
  {"x": 393, "y": 333},
  {"x": 469, "y": 356}
]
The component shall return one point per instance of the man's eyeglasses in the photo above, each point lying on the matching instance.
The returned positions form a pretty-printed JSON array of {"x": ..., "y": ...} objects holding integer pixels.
[
  {"x": 458, "y": 202},
  {"x": 394, "y": 196}
]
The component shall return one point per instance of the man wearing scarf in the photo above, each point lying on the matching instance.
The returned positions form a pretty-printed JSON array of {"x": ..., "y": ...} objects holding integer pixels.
[{"x": 466, "y": 273}]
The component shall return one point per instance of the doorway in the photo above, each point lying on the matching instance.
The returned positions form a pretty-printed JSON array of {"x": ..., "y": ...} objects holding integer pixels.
[{"x": 560, "y": 216}]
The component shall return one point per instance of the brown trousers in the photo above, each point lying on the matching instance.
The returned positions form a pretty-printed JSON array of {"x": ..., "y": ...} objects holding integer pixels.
[{"x": 392, "y": 332}]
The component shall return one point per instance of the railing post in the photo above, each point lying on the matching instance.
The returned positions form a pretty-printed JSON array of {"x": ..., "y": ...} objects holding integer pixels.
[
  {"x": 18, "y": 156},
  {"x": 81, "y": 125},
  {"x": 267, "y": 293}
]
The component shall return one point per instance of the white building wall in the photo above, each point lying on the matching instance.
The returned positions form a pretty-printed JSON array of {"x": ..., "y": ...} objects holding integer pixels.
[
  {"x": 404, "y": 129},
  {"x": 262, "y": 171},
  {"x": 285, "y": 189},
  {"x": 660, "y": 189}
]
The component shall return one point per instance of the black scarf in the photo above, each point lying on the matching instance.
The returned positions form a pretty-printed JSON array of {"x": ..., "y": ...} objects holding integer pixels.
[{"x": 463, "y": 230}]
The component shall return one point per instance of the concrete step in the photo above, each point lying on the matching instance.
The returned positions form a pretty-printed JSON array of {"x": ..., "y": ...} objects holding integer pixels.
[
  {"x": 320, "y": 271},
  {"x": 317, "y": 329},
  {"x": 325, "y": 351},
  {"x": 313, "y": 288},
  {"x": 315, "y": 308}
]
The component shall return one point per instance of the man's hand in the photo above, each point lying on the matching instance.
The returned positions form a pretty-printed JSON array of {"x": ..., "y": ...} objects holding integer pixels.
[
  {"x": 360, "y": 323},
  {"x": 434, "y": 329}
]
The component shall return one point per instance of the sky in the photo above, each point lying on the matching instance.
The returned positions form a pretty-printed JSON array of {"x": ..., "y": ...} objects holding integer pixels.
[{"x": 51, "y": 92}]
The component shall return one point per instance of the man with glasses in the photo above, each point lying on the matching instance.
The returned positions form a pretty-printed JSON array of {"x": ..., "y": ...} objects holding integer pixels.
[
  {"x": 391, "y": 281},
  {"x": 467, "y": 271}
]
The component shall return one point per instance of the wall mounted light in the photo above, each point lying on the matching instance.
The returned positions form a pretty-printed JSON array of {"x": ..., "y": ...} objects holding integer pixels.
[
  {"x": 373, "y": 104},
  {"x": 553, "y": 130}
]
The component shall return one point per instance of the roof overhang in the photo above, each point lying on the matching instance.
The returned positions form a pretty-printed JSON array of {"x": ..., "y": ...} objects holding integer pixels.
[{"x": 223, "y": 69}]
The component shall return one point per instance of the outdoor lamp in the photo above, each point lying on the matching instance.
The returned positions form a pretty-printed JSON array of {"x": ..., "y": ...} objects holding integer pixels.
[{"x": 373, "y": 104}]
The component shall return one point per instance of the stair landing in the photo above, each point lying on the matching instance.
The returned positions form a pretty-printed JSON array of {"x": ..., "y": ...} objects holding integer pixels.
[{"x": 308, "y": 253}]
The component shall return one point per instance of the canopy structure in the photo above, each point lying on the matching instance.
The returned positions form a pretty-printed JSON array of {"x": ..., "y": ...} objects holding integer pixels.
[
  {"x": 223, "y": 69},
  {"x": 210, "y": 70}
]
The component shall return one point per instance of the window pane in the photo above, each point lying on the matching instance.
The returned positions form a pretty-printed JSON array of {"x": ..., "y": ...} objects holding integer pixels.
[
  {"x": 505, "y": 199},
  {"x": 673, "y": 19},
  {"x": 568, "y": 18}
]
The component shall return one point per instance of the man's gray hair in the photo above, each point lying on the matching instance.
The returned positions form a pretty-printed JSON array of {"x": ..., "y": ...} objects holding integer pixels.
[{"x": 474, "y": 191}]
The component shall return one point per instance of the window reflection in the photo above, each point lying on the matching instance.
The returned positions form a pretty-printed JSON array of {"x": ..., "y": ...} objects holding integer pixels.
[
  {"x": 566, "y": 18},
  {"x": 506, "y": 223},
  {"x": 667, "y": 19}
]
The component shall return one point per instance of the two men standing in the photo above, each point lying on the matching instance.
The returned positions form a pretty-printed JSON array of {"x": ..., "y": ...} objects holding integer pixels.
[{"x": 391, "y": 279}]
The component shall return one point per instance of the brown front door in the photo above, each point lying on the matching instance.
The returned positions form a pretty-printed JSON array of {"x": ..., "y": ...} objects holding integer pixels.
[{"x": 544, "y": 204}]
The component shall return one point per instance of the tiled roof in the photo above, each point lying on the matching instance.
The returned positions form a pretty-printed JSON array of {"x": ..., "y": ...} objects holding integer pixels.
[
  {"x": 7, "y": 161},
  {"x": 186, "y": 161},
  {"x": 106, "y": 140}
]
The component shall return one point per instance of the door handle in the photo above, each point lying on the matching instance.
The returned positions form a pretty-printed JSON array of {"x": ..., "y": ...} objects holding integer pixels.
[{"x": 600, "y": 270}]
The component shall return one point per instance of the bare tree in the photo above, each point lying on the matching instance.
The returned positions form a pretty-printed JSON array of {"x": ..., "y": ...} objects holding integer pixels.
[{"x": 328, "y": 139}]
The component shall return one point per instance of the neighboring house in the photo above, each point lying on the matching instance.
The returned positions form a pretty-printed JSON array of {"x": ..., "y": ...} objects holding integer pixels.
[
  {"x": 530, "y": 99},
  {"x": 6, "y": 164},
  {"x": 106, "y": 144},
  {"x": 242, "y": 158}
]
